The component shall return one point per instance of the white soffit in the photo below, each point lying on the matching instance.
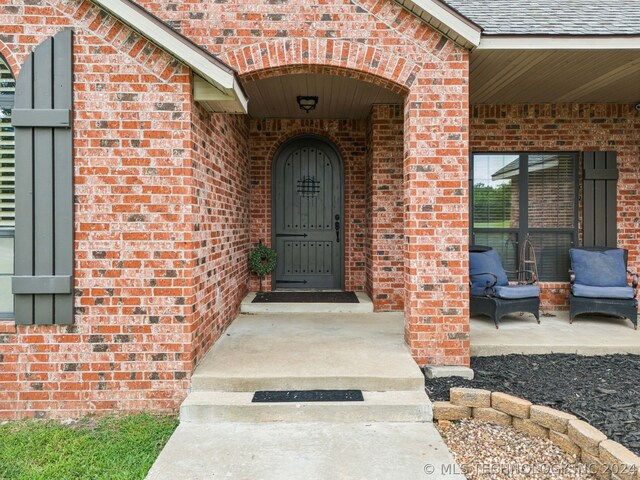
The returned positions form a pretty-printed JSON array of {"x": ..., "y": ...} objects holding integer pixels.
[
  {"x": 562, "y": 42},
  {"x": 221, "y": 79},
  {"x": 446, "y": 20}
]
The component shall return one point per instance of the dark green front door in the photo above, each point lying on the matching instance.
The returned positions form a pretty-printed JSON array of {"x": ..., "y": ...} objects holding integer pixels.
[{"x": 307, "y": 228}]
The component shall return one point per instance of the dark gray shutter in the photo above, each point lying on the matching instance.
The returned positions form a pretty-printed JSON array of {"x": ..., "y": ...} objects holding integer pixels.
[
  {"x": 599, "y": 204},
  {"x": 42, "y": 117}
]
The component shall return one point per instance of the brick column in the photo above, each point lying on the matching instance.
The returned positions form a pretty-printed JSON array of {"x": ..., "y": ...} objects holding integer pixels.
[
  {"x": 436, "y": 219},
  {"x": 384, "y": 237}
]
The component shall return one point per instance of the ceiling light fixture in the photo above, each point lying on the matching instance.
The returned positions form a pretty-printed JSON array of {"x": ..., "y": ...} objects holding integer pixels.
[{"x": 307, "y": 103}]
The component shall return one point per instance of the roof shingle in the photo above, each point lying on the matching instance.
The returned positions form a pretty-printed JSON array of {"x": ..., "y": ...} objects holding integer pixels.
[{"x": 552, "y": 17}]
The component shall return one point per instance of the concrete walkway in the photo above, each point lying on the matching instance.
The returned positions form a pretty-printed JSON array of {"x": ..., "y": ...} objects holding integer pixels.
[
  {"x": 390, "y": 435},
  {"x": 309, "y": 451},
  {"x": 588, "y": 335}
]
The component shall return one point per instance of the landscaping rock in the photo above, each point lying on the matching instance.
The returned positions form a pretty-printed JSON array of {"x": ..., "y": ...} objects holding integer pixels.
[
  {"x": 511, "y": 405},
  {"x": 493, "y": 452},
  {"x": 602, "y": 390},
  {"x": 470, "y": 397},
  {"x": 550, "y": 418}
]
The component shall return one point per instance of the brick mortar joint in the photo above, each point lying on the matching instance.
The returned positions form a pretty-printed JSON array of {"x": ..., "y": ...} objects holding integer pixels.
[{"x": 466, "y": 412}]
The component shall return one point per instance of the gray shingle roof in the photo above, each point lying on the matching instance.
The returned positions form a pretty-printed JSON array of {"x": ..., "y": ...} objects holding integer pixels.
[{"x": 552, "y": 17}]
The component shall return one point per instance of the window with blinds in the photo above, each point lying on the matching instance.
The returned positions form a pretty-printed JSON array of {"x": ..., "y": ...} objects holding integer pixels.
[
  {"x": 521, "y": 196},
  {"x": 7, "y": 188}
]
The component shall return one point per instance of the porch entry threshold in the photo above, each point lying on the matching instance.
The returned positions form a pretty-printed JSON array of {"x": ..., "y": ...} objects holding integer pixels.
[
  {"x": 281, "y": 396},
  {"x": 306, "y": 297}
]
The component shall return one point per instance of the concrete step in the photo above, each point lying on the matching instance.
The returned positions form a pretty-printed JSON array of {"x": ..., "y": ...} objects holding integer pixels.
[
  {"x": 202, "y": 382},
  {"x": 365, "y": 306},
  {"x": 397, "y": 406}
]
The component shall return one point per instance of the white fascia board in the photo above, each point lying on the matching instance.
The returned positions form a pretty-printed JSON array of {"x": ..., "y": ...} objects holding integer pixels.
[
  {"x": 164, "y": 39},
  {"x": 520, "y": 42},
  {"x": 469, "y": 32}
]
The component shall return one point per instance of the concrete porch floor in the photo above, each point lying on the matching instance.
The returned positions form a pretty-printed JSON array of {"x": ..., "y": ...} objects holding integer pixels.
[
  {"x": 390, "y": 434},
  {"x": 588, "y": 335}
]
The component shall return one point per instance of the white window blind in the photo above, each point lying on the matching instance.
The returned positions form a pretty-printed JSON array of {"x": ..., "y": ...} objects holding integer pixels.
[{"x": 7, "y": 149}]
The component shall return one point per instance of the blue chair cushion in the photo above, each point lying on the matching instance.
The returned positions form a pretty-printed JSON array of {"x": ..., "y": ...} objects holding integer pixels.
[
  {"x": 479, "y": 291},
  {"x": 599, "y": 268},
  {"x": 601, "y": 292},
  {"x": 485, "y": 262},
  {"x": 517, "y": 291}
]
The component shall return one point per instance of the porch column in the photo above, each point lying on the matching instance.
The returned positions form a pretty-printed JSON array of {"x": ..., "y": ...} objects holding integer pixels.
[
  {"x": 436, "y": 217},
  {"x": 384, "y": 237}
]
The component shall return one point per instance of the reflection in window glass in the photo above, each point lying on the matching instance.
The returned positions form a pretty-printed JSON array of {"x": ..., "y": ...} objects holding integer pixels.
[
  {"x": 495, "y": 191},
  {"x": 551, "y": 191}
]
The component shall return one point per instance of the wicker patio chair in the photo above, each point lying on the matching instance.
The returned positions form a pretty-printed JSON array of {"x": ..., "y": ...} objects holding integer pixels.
[
  {"x": 599, "y": 283},
  {"x": 490, "y": 292}
]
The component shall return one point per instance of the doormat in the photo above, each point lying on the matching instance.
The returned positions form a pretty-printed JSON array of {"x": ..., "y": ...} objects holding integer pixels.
[
  {"x": 306, "y": 297},
  {"x": 277, "y": 396}
]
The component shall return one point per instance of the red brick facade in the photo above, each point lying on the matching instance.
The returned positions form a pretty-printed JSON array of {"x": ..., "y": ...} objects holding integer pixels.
[
  {"x": 384, "y": 241},
  {"x": 161, "y": 221},
  {"x": 570, "y": 128},
  {"x": 170, "y": 198}
]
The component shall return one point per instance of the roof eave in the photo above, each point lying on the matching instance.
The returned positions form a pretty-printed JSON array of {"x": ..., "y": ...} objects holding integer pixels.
[
  {"x": 446, "y": 20},
  {"x": 206, "y": 65}
]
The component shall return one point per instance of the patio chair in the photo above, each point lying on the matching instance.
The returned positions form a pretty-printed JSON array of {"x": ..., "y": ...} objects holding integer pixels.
[
  {"x": 490, "y": 292},
  {"x": 599, "y": 283}
]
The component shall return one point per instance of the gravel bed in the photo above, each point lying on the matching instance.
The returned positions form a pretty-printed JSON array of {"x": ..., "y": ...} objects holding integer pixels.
[
  {"x": 602, "y": 390},
  {"x": 492, "y": 452}
]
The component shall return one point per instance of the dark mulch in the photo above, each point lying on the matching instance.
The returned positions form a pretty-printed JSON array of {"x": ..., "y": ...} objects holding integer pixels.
[{"x": 604, "y": 390}]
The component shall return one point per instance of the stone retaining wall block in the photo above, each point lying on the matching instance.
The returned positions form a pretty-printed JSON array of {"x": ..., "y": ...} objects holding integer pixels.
[
  {"x": 470, "y": 397},
  {"x": 514, "y": 406}
]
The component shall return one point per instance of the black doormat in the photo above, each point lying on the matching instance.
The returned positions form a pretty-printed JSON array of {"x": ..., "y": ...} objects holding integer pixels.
[
  {"x": 277, "y": 396},
  {"x": 306, "y": 297}
]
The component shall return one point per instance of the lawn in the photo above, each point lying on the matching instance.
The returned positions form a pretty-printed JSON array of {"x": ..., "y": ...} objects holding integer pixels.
[{"x": 107, "y": 448}]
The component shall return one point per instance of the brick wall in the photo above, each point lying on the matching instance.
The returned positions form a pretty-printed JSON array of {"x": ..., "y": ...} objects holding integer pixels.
[
  {"x": 349, "y": 137},
  {"x": 144, "y": 295},
  {"x": 154, "y": 287},
  {"x": 221, "y": 228},
  {"x": 384, "y": 244},
  {"x": 571, "y": 128}
]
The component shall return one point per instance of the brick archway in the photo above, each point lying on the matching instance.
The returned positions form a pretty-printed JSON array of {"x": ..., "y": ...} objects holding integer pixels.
[
  {"x": 327, "y": 56},
  {"x": 7, "y": 54}
]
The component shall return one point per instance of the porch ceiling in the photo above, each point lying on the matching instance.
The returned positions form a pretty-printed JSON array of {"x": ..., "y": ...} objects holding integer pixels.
[
  {"x": 555, "y": 76},
  {"x": 338, "y": 97}
]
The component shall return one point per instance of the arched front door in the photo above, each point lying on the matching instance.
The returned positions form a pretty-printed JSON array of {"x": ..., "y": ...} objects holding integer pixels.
[{"x": 307, "y": 222}]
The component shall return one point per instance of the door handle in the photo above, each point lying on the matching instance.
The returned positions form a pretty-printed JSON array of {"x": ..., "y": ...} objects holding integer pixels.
[{"x": 338, "y": 228}]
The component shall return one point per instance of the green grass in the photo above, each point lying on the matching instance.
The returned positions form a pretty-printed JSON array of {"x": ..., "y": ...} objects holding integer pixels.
[{"x": 107, "y": 448}]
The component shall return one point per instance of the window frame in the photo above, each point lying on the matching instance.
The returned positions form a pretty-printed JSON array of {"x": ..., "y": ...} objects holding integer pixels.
[
  {"x": 8, "y": 101},
  {"x": 523, "y": 230}
]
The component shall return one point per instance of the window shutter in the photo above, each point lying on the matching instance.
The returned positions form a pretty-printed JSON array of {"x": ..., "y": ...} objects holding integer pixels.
[
  {"x": 43, "y": 119},
  {"x": 599, "y": 199}
]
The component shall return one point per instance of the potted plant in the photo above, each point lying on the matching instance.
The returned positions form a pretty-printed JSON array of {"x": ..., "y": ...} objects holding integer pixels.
[{"x": 262, "y": 261}]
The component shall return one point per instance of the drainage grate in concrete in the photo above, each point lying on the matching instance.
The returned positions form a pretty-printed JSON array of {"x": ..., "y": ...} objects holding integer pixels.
[{"x": 277, "y": 396}]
